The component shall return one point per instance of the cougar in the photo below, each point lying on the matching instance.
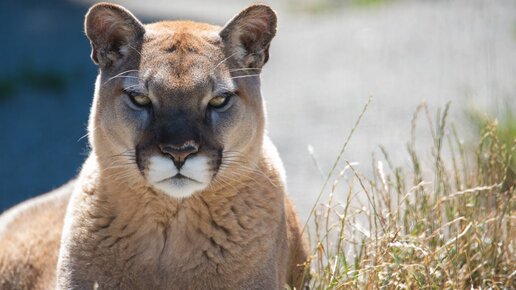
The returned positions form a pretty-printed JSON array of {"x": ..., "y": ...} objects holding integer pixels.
[{"x": 182, "y": 189}]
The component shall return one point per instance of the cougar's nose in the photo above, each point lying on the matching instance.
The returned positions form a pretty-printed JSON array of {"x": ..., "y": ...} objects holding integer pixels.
[{"x": 179, "y": 153}]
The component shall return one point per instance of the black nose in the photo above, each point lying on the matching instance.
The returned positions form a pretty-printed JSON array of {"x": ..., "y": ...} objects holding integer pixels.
[{"x": 179, "y": 153}]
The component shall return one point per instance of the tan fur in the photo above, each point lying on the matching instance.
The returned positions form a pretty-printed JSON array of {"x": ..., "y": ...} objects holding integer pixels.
[
  {"x": 29, "y": 241},
  {"x": 120, "y": 232}
]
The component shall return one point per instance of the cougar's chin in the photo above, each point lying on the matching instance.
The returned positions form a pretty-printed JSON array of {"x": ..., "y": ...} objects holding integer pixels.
[{"x": 194, "y": 176}]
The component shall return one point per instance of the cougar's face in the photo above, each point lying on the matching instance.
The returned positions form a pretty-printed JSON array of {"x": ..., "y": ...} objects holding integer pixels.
[
  {"x": 178, "y": 103},
  {"x": 178, "y": 112}
]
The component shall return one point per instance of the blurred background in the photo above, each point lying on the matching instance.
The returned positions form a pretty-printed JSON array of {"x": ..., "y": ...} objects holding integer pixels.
[{"x": 328, "y": 58}]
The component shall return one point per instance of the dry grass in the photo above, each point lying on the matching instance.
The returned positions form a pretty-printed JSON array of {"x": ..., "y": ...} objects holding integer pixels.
[{"x": 448, "y": 223}]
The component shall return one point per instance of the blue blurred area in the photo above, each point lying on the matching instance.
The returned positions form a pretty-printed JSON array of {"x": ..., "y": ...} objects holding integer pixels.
[{"x": 46, "y": 87}]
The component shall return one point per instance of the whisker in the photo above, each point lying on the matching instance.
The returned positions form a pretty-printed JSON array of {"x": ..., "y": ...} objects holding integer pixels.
[
  {"x": 122, "y": 75},
  {"x": 221, "y": 178},
  {"x": 87, "y": 134},
  {"x": 249, "y": 170},
  {"x": 245, "y": 76},
  {"x": 224, "y": 60},
  {"x": 234, "y": 158},
  {"x": 83, "y": 136},
  {"x": 236, "y": 154},
  {"x": 225, "y": 178},
  {"x": 245, "y": 69},
  {"x": 123, "y": 152},
  {"x": 245, "y": 175},
  {"x": 115, "y": 77},
  {"x": 130, "y": 46},
  {"x": 238, "y": 160},
  {"x": 132, "y": 86}
]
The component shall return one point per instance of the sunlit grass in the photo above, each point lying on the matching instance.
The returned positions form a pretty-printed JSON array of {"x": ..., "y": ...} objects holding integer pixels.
[
  {"x": 504, "y": 126},
  {"x": 448, "y": 223}
]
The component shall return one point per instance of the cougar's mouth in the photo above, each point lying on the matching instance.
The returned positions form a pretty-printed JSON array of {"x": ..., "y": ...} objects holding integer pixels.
[
  {"x": 193, "y": 176},
  {"x": 178, "y": 177}
]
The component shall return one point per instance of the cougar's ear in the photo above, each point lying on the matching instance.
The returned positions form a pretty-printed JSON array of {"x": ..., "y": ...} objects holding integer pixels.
[
  {"x": 248, "y": 35},
  {"x": 112, "y": 30}
]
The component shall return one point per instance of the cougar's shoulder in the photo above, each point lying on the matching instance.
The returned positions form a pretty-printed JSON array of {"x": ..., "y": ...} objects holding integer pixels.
[{"x": 30, "y": 235}]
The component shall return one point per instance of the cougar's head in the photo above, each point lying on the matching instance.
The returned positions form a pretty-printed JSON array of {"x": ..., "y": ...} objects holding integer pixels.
[{"x": 177, "y": 103}]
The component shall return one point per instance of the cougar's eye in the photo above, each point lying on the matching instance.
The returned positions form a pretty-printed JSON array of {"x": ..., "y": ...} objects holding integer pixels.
[
  {"x": 140, "y": 100},
  {"x": 221, "y": 102},
  {"x": 137, "y": 100},
  {"x": 218, "y": 101}
]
